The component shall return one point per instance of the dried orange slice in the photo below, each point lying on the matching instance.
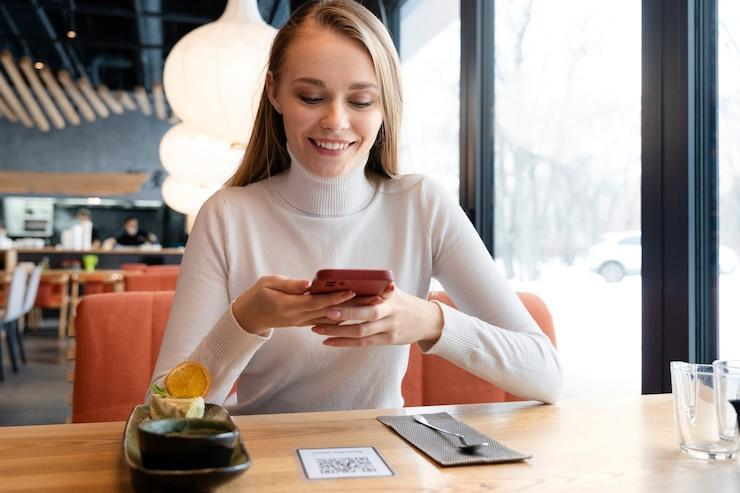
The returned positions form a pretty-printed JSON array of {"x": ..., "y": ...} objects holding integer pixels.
[{"x": 187, "y": 380}]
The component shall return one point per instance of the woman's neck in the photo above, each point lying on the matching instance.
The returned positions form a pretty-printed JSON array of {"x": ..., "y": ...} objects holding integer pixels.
[{"x": 321, "y": 196}]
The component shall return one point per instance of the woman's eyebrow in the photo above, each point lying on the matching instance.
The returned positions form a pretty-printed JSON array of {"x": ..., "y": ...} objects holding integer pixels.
[
  {"x": 322, "y": 84},
  {"x": 310, "y": 80}
]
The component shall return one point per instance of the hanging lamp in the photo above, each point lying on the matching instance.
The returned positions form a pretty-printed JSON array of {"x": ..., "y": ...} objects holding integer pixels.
[
  {"x": 196, "y": 157},
  {"x": 214, "y": 75}
]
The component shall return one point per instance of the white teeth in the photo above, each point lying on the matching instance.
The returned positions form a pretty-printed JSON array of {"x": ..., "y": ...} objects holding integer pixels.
[{"x": 331, "y": 146}]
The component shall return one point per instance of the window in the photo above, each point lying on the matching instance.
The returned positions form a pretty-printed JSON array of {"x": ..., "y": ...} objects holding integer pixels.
[
  {"x": 430, "y": 64},
  {"x": 728, "y": 54},
  {"x": 567, "y": 178}
]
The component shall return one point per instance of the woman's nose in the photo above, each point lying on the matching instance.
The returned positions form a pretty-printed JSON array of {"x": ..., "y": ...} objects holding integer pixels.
[{"x": 335, "y": 118}]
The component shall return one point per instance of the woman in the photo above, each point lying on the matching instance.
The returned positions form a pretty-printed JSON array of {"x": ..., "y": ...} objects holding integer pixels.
[{"x": 318, "y": 188}]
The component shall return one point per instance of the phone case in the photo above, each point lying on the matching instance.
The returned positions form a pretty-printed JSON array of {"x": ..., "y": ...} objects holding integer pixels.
[{"x": 364, "y": 282}]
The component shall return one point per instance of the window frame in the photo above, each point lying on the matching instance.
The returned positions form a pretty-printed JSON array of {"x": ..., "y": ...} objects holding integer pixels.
[{"x": 679, "y": 171}]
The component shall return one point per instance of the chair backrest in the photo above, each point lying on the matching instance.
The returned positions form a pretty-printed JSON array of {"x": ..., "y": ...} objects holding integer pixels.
[
  {"x": 32, "y": 289},
  {"x": 163, "y": 280},
  {"x": 16, "y": 293},
  {"x": 52, "y": 290},
  {"x": 161, "y": 268},
  {"x": 443, "y": 382},
  {"x": 119, "y": 334},
  {"x": 117, "y": 342}
]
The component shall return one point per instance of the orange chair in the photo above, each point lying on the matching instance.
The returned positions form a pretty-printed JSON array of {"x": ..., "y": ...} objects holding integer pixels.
[
  {"x": 443, "y": 382},
  {"x": 133, "y": 267},
  {"x": 163, "y": 268},
  {"x": 53, "y": 293},
  {"x": 118, "y": 339},
  {"x": 141, "y": 267},
  {"x": 93, "y": 282},
  {"x": 119, "y": 334},
  {"x": 162, "y": 280}
]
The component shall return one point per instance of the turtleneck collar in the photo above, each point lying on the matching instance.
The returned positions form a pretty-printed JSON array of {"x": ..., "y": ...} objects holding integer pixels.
[{"x": 319, "y": 196}]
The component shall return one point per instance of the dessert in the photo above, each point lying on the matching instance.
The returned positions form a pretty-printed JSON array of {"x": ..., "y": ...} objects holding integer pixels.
[{"x": 182, "y": 397}]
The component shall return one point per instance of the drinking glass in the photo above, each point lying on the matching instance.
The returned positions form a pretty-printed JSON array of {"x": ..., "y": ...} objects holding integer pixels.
[
  {"x": 727, "y": 376},
  {"x": 696, "y": 412}
]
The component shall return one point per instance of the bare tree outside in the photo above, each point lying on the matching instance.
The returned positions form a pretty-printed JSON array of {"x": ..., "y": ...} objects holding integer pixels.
[
  {"x": 567, "y": 120},
  {"x": 567, "y": 162}
]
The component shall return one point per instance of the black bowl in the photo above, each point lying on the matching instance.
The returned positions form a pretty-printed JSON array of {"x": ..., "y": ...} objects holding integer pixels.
[
  {"x": 145, "y": 480},
  {"x": 186, "y": 443}
]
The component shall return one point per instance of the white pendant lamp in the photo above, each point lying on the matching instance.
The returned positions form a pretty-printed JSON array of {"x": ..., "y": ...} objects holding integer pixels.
[
  {"x": 183, "y": 196},
  {"x": 214, "y": 75},
  {"x": 190, "y": 155}
]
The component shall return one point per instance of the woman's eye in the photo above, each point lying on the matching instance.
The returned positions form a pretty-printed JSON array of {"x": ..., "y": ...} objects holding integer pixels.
[
  {"x": 361, "y": 104},
  {"x": 310, "y": 100}
]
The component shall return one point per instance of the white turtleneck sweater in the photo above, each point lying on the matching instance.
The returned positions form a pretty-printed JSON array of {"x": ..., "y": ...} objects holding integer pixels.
[{"x": 297, "y": 223}]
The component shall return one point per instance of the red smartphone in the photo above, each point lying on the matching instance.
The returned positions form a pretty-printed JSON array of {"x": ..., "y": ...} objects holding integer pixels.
[{"x": 363, "y": 282}]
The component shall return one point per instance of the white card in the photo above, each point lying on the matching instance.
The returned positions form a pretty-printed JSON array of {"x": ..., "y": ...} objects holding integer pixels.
[{"x": 353, "y": 462}]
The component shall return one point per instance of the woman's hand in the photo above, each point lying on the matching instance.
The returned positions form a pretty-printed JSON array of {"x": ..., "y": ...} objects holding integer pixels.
[
  {"x": 394, "y": 317},
  {"x": 276, "y": 301}
]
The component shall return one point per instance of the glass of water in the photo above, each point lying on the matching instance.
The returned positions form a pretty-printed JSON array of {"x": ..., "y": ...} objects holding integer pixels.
[{"x": 696, "y": 403}]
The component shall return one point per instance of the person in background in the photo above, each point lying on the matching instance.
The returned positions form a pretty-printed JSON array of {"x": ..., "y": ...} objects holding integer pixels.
[
  {"x": 85, "y": 216},
  {"x": 133, "y": 236},
  {"x": 5, "y": 242}
]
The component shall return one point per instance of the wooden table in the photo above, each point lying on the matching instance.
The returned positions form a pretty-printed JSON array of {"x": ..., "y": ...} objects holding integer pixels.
[{"x": 627, "y": 445}]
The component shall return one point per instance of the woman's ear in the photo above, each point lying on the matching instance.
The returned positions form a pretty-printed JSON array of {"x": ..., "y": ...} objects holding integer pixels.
[{"x": 272, "y": 91}]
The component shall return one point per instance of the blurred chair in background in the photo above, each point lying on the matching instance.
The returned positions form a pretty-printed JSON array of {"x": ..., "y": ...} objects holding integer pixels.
[
  {"x": 153, "y": 280},
  {"x": 32, "y": 288},
  {"x": 53, "y": 293},
  {"x": 13, "y": 311}
]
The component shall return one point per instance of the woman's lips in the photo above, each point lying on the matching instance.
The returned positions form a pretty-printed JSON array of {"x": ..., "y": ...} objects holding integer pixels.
[{"x": 329, "y": 147}]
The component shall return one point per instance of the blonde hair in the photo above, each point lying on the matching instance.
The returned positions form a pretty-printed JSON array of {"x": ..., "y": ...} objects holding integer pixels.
[{"x": 266, "y": 152}]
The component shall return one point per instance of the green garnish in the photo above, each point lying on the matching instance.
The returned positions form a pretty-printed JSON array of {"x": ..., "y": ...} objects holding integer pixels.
[{"x": 156, "y": 389}]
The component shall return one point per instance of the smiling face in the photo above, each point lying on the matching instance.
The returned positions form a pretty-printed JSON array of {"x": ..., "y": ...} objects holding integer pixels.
[{"x": 329, "y": 98}]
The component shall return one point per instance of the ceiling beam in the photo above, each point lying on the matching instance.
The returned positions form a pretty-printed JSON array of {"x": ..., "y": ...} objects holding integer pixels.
[
  {"x": 71, "y": 183},
  {"x": 103, "y": 11}
]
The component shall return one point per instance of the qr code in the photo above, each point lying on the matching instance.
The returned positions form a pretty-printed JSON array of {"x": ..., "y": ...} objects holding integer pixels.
[{"x": 345, "y": 465}]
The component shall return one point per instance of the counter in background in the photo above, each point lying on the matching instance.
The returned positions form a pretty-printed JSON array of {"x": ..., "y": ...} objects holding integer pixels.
[{"x": 107, "y": 259}]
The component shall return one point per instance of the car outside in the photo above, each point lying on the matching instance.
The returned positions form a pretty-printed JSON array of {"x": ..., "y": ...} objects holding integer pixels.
[{"x": 620, "y": 254}]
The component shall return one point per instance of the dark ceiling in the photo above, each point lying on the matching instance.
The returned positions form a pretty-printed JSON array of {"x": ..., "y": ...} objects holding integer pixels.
[{"x": 120, "y": 43}]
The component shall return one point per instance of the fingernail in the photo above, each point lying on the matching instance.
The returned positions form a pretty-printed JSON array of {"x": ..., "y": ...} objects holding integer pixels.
[
  {"x": 318, "y": 330},
  {"x": 334, "y": 314},
  {"x": 303, "y": 284},
  {"x": 349, "y": 294},
  {"x": 329, "y": 342}
]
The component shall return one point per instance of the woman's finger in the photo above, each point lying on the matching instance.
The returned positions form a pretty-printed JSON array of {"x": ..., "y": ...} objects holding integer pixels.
[
  {"x": 285, "y": 285},
  {"x": 314, "y": 302},
  {"x": 353, "y": 331},
  {"x": 361, "y": 301},
  {"x": 319, "y": 321},
  {"x": 364, "y": 313},
  {"x": 381, "y": 339}
]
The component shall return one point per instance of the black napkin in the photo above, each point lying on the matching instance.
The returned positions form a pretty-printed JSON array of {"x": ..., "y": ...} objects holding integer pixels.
[{"x": 443, "y": 448}]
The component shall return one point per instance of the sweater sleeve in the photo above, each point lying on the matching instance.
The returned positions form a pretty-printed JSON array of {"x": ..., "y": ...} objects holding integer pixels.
[
  {"x": 492, "y": 334},
  {"x": 201, "y": 326}
]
